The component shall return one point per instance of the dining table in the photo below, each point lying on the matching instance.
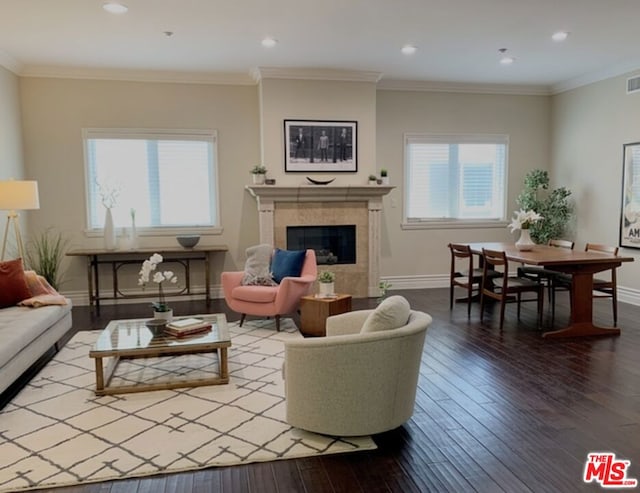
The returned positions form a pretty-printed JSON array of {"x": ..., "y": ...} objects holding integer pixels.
[{"x": 581, "y": 265}]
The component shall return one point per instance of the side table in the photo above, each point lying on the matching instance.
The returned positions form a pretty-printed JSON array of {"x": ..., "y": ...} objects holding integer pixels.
[{"x": 314, "y": 312}]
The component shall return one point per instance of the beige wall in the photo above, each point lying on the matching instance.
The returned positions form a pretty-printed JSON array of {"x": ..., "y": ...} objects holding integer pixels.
[
  {"x": 11, "y": 162},
  {"x": 317, "y": 100},
  {"x": 55, "y": 111},
  {"x": 589, "y": 125},
  {"x": 525, "y": 119}
]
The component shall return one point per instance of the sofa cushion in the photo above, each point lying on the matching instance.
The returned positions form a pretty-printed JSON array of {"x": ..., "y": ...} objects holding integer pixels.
[
  {"x": 392, "y": 313},
  {"x": 255, "y": 294},
  {"x": 13, "y": 286},
  {"x": 256, "y": 268},
  {"x": 20, "y": 325},
  {"x": 287, "y": 263}
]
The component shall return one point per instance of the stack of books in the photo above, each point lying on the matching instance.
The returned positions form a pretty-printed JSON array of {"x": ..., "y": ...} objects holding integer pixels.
[{"x": 187, "y": 327}]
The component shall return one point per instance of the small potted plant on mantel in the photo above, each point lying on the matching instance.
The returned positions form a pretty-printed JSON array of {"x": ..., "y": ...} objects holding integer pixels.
[
  {"x": 326, "y": 281},
  {"x": 258, "y": 172},
  {"x": 373, "y": 179},
  {"x": 384, "y": 176}
]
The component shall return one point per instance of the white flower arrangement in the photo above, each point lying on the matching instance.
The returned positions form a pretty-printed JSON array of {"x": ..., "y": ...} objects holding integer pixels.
[
  {"x": 524, "y": 219},
  {"x": 109, "y": 192},
  {"x": 148, "y": 267}
]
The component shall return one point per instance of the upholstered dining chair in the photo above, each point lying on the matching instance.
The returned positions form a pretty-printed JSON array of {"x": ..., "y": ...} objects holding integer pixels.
[
  {"x": 603, "y": 288},
  {"x": 504, "y": 288},
  {"x": 545, "y": 275},
  {"x": 269, "y": 300}
]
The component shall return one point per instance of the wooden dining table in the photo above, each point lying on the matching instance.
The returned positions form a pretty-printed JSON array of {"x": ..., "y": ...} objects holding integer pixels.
[{"x": 581, "y": 265}]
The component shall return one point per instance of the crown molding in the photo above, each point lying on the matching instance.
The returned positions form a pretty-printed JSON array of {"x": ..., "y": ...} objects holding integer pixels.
[
  {"x": 463, "y": 87},
  {"x": 10, "y": 63},
  {"x": 592, "y": 77},
  {"x": 326, "y": 74},
  {"x": 136, "y": 75}
]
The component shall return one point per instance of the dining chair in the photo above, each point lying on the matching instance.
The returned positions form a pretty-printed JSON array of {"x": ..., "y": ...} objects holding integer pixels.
[
  {"x": 545, "y": 275},
  {"x": 608, "y": 288},
  {"x": 463, "y": 274},
  {"x": 504, "y": 288}
]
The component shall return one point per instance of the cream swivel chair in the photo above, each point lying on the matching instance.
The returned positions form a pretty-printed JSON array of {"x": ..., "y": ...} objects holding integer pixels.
[{"x": 355, "y": 381}]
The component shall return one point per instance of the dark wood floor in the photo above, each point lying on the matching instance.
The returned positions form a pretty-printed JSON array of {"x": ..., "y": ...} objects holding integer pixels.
[{"x": 496, "y": 411}]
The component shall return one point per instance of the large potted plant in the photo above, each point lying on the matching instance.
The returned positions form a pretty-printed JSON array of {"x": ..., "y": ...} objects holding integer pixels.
[
  {"x": 45, "y": 252},
  {"x": 552, "y": 205}
]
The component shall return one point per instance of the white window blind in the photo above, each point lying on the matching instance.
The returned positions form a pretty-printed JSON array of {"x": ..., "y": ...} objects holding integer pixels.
[
  {"x": 168, "y": 178},
  {"x": 455, "y": 177}
]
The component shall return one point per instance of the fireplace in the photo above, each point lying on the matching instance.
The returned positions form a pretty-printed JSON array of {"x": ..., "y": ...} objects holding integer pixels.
[
  {"x": 279, "y": 207},
  {"x": 333, "y": 244}
]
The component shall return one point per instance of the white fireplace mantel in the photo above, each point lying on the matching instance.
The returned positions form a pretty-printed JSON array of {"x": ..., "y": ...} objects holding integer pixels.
[{"x": 268, "y": 196}]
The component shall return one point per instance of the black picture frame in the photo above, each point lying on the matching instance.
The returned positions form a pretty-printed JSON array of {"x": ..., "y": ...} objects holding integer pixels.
[
  {"x": 630, "y": 205},
  {"x": 318, "y": 146}
]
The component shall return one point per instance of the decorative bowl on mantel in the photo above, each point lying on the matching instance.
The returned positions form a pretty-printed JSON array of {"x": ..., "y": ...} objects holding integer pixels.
[{"x": 319, "y": 182}]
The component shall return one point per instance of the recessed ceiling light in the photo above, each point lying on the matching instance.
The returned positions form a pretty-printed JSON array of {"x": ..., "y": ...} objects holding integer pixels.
[
  {"x": 269, "y": 42},
  {"x": 168, "y": 34},
  {"x": 505, "y": 59},
  {"x": 560, "y": 36},
  {"x": 408, "y": 50},
  {"x": 115, "y": 8}
]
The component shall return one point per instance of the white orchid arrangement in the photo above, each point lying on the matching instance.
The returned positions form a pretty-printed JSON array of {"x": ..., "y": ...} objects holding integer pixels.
[
  {"x": 524, "y": 219},
  {"x": 151, "y": 266}
]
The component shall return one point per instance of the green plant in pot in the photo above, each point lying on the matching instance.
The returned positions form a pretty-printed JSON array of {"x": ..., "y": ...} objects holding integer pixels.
[
  {"x": 326, "y": 281},
  {"x": 552, "y": 205},
  {"x": 384, "y": 175},
  {"x": 45, "y": 252},
  {"x": 373, "y": 179},
  {"x": 258, "y": 172}
]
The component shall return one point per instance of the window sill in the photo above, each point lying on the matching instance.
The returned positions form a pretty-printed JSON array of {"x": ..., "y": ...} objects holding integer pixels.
[
  {"x": 453, "y": 225},
  {"x": 158, "y": 232}
]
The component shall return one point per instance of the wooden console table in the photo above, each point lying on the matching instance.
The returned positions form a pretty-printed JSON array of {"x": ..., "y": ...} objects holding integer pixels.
[{"x": 118, "y": 258}]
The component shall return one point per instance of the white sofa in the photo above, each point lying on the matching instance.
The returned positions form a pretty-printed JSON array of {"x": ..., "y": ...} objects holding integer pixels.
[
  {"x": 27, "y": 334},
  {"x": 351, "y": 383}
]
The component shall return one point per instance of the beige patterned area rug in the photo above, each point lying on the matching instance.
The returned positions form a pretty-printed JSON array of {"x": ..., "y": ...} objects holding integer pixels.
[{"x": 57, "y": 432}]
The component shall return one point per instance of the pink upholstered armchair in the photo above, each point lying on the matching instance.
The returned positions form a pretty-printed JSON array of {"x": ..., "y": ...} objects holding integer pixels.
[{"x": 269, "y": 301}]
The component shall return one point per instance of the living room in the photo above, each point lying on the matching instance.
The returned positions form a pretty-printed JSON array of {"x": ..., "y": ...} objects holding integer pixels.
[{"x": 574, "y": 127}]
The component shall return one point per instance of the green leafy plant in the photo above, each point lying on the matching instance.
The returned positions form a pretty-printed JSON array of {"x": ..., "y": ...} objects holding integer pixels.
[
  {"x": 384, "y": 287},
  {"x": 552, "y": 205},
  {"x": 383, "y": 172},
  {"x": 373, "y": 177},
  {"x": 326, "y": 277},
  {"x": 258, "y": 169},
  {"x": 45, "y": 252}
]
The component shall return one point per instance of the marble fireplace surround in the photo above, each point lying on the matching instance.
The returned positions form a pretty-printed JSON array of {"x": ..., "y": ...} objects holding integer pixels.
[{"x": 317, "y": 205}]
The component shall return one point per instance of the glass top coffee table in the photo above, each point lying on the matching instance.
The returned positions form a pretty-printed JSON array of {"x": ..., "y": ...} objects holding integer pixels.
[{"x": 128, "y": 339}]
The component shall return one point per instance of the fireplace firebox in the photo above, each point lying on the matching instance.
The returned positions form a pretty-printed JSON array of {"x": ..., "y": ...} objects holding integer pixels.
[{"x": 332, "y": 244}]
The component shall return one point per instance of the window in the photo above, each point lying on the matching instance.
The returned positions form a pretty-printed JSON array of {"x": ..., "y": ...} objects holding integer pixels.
[
  {"x": 168, "y": 178},
  {"x": 455, "y": 178}
]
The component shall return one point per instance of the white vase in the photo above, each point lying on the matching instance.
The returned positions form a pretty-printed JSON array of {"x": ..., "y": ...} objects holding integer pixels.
[
  {"x": 109, "y": 232},
  {"x": 168, "y": 315},
  {"x": 385, "y": 180},
  {"x": 326, "y": 288},
  {"x": 525, "y": 243},
  {"x": 134, "y": 243},
  {"x": 258, "y": 178}
]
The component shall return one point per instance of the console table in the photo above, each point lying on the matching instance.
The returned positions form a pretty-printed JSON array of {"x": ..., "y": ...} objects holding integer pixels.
[{"x": 118, "y": 258}]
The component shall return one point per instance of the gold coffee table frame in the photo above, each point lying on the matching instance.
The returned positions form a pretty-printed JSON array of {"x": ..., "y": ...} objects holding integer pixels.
[{"x": 129, "y": 339}]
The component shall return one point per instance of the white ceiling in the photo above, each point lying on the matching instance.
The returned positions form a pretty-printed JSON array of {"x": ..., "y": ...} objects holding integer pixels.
[{"x": 457, "y": 40}]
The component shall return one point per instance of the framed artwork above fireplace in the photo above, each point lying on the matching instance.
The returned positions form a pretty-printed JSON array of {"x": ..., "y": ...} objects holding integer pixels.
[{"x": 320, "y": 146}]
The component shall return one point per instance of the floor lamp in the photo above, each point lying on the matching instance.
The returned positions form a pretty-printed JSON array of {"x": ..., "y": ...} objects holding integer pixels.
[{"x": 17, "y": 195}]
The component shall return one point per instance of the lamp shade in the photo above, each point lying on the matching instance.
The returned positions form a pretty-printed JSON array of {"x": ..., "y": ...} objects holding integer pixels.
[{"x": 19, "y": 195}]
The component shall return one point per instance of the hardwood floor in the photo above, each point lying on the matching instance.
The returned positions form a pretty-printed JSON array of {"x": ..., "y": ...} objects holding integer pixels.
[{"x": 495, "y": 411}]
